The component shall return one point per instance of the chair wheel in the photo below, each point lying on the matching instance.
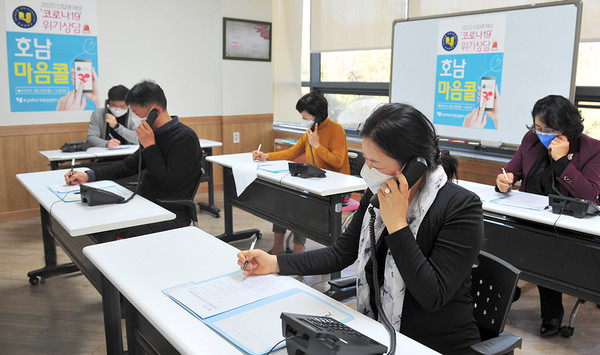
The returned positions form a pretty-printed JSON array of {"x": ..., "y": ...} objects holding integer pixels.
[
  {"x": 216, "y": 215},
  {"x": 567, "y": 332},
  {"x": 34, "y": 280}
]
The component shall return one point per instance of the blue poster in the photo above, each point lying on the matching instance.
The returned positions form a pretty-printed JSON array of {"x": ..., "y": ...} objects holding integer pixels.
[
  {"x": 468, "y": 83},
  {"x": 464, "y": 82},
  {"x": 52, "y": 55}
]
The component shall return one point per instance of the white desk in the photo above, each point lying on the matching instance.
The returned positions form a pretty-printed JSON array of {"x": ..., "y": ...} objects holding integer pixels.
[
  {"x": 70, "y": 223},
  {"x": 57, "y": 157},
  {"x": 140, "y": 268},
  {"x": 588, "y": 224},
  {"x": 77, "y": 218},
  {"x": 559, "y": 252},
  {"x": 311, "y": 207}
]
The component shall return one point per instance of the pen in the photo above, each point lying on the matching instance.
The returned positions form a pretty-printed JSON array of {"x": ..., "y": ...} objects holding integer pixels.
[
  {"x": 251, "y": 247},
  {"x": 258, "y": 149},
  {"x": 72, "y": 165},
  {"x": 506, "y": 176},
  {"x": 111, "y": 136}
]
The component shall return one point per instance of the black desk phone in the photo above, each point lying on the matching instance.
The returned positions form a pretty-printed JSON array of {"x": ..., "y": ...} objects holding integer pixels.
[
  {"x": 324, "y": 335},
  {"x": 412, "y": 170}
]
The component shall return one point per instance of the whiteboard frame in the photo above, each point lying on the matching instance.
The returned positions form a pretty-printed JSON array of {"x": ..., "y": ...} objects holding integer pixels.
[{"x": 578, "y": 5}]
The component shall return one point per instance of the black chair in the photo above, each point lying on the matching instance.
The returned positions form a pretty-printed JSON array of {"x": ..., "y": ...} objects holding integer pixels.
[
  {"x": 189, "y": 204},
  {"x": 493, "y": 284}
]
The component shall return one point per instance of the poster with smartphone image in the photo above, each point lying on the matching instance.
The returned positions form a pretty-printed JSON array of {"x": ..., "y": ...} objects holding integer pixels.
[
  {"x": 83, "y": 74},
  {"x": 52, "y": 47},
  {"x": 469, "y": 64},
  {"x": 486, "y": 92}
]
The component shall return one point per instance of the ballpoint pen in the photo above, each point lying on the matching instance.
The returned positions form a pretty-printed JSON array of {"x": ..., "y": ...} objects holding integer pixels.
[
  {"x": 506, "y": 176},
  {"x": 72, "y": 165},
  {"x": 251, "y": 247},
  {"x": 258, "y": 149}
]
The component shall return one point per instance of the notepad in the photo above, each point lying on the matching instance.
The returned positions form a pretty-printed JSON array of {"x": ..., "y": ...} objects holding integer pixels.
[
  {"x": 254, "y": 327},
  {"x": 516, "y": 199}
]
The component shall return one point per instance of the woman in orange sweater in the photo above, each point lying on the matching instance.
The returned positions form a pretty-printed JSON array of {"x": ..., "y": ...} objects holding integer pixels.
[{"x": 324, "y": 144}]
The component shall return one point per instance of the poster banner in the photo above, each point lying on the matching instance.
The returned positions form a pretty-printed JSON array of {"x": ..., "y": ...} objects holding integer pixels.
[
  {"x": 469, "y": 72},
  {"x": 52, "y": 51}
]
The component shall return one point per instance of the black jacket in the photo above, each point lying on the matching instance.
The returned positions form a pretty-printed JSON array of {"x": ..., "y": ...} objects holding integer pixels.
[{"x": 436, "y": 267}]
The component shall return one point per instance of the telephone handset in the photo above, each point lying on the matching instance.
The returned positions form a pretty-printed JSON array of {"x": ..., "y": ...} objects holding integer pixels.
[
  {"x": 152, "y": 115},
  {"x": 413, "y": 170}
]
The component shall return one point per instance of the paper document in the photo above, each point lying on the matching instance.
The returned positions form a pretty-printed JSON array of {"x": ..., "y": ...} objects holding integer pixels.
[
  {"x": 516, "y": 199},
  {"x": 243, "y": 175},
  {"x": 277, "y": 166},
  {"x": 227, "y": 292},
  {"x": 256, "y": 328}
]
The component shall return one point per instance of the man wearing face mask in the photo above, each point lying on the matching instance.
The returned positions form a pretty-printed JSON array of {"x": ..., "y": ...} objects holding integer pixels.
[
  {"x": 555, "y": 156},
  {"x": 171, "y": 156},
  {"x": 324, "y": 144},
  {"x": 113, "y": 124}
]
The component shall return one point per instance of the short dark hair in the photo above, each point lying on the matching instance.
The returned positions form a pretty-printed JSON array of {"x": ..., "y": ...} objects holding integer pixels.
[
  {"x": 146, "y": 93},
  {"x": 558, "y": 113},
  {"x": 117, "y": 93},
  {"x": 315, "y": 104},
  {"x": 403, "y": 132}
]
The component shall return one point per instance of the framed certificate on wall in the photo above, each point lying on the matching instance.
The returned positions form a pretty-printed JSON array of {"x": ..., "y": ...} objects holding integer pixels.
[{"x": 246, "y": 40}]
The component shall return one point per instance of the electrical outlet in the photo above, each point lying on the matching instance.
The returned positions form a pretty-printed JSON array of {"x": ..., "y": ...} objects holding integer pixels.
[{"x": 236, "y": 137}]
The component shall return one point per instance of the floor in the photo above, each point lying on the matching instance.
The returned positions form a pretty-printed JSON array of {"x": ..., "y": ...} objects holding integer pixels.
[{"x": 63, "y": 315}]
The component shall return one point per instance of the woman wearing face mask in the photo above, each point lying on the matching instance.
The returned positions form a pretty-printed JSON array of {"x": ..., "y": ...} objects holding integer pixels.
[
  {"x": 427, "y": 237},
  {"x": 324, "y": 144},
  {"x": 114, "y": 124},
  {"x": 555, "y": 156}
]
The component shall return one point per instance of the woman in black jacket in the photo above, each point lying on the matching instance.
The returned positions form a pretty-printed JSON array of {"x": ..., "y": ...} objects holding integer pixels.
[{"x": 427, "y": 236}]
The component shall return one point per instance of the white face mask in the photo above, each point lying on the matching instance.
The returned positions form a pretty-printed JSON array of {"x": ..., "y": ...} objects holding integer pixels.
[
  {"x": 374, "y": 178},
  {"x": 117, "y": 111},
  {"x": 307, "y": 123}
]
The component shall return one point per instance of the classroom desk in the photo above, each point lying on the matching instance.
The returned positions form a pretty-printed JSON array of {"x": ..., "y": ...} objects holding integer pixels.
[
  {"x": 311, "y": 207},
  {"x": 58, "y": 158},
  {"x": 70, "y": 223},
  {"x": 140, "y": 268},
  {"x": 560, "y": 252}
]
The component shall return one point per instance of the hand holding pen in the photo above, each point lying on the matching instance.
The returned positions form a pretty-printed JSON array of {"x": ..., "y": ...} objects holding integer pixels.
[
  {"x": 504, "y": 181},
  {"x": 257, "y": 155},
  {"x": 71, "y": 172},
  {"x": 251, "y": 248}
]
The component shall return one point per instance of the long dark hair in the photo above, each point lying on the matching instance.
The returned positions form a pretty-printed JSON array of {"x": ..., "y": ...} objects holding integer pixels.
[{"x": 403, "y": 132}]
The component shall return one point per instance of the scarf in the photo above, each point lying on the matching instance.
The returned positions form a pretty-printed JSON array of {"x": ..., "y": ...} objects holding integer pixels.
[{"x": 393, "y": 290}]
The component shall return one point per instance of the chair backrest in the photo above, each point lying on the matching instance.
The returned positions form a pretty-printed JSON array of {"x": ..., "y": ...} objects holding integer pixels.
[
  {"x": 493, "y": 284},
  {"x": 357, "y": 160}
]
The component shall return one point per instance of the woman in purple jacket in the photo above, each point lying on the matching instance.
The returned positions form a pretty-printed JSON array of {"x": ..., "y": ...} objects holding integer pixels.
[{"x": 555, "y": 156}]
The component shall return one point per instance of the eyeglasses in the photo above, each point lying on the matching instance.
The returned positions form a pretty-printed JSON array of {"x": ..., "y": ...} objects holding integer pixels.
[{"x": 537, "y": 129}]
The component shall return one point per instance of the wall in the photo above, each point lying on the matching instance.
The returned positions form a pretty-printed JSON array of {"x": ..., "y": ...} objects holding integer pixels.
[{"x": 179, "y": 45}]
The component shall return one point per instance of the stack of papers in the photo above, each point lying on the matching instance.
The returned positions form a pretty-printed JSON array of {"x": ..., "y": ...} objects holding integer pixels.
[{"x": 246, "y": 309}]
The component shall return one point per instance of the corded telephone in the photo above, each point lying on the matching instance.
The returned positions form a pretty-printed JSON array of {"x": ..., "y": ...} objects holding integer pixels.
[
  {"x": 307, "y": 334},
  {"x": 151, "y": 117},
  {"x": 413, "y": 170}
]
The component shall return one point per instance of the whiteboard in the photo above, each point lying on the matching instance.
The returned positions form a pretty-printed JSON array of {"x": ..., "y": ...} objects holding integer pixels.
[{"x": 538, "y": 46}]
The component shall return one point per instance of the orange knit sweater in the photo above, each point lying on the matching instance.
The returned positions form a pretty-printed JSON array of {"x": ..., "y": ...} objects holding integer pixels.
[{"x": 332, "y": 153}]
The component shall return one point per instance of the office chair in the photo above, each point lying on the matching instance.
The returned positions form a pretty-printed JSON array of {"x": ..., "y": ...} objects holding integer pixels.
[
  {"x": 356, "y": 160},
  {"x": 493, "y": 284},
  {"x": 189, "y": 204}
]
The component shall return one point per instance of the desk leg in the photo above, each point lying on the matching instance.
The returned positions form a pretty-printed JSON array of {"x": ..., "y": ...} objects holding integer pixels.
[
  {"x": 335, "y": 224},
  {"x": 228, "y": 189},
  {"x": 112, "y": 318},
  {"x": 50, "y": 269},
  {"x": 211, "y": 208}
]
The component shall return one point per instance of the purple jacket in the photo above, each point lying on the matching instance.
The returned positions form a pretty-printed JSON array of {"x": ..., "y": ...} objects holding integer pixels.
[{"x": 581, "y": 178}]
